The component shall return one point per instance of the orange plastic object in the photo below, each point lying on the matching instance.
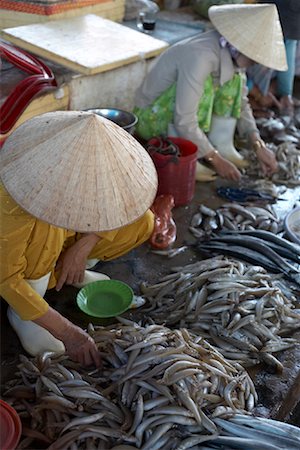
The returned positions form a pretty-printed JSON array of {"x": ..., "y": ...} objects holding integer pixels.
[
  {"x": 164, "y": 233},
  {"x": 41, "y": 78}
]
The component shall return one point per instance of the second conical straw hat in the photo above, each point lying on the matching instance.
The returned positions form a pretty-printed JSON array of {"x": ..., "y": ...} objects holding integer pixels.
[
  {"x": 254, "y": 30},
  {"x": 79, "y": 171}
]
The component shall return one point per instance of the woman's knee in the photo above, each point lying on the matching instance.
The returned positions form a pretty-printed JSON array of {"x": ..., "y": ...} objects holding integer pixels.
[{"x": 127, "y": 238}]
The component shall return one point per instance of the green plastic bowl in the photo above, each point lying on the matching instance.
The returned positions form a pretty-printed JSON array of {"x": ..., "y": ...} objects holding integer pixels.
[{"x": 105, "y": 298}]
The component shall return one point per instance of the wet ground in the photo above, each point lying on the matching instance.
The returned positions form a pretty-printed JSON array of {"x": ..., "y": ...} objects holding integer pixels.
[{"x": 278, "y": 393}]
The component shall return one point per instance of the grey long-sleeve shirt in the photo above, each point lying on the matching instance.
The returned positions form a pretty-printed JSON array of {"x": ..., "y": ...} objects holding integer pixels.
[{"x": 189, "y": 63}]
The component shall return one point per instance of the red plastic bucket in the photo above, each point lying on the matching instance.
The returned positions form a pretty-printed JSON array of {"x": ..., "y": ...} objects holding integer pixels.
[{"x": 176, "y": 177}]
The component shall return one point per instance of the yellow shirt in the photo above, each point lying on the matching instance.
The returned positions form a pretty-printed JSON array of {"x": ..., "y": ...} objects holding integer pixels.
[{"x": 30, "y": 248}]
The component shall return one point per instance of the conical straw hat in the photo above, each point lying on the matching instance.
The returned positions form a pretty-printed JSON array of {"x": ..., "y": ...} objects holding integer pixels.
[
  {"x": 79, "y": 171},
  {"x": 254, "y": 30}
]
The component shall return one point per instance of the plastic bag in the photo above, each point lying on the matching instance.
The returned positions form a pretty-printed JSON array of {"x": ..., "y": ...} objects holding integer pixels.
[{"x": 164, "y": 233}]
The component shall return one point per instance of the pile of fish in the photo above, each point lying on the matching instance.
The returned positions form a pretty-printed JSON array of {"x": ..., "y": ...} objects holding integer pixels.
[
  {"x": 262, "y": 185},
  {"x": 240, "y": 309},
  {"x": 272, "y": 252},
  {"x": 288, "y": 158},
  {"x": 158, "y": 389},
  {"x": 280, "y": 129},
  {"x": 233, "y": 216},
  {"x": 247, "y": 433}
]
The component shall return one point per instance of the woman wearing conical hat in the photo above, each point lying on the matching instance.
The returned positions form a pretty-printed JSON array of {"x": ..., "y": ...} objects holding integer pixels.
[
  {"x": 75, "y": 188},
  {"x": 281, "y": 84},
  {"x": 197, "y": 87}
]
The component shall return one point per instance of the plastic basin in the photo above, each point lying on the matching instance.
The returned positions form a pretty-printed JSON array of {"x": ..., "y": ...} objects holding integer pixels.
[
  {"x": 10, "y": 427},
  {"x": 292, "y": 225}
]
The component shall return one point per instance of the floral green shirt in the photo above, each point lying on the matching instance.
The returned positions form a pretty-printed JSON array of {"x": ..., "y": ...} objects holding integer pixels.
[{"x": 190, "y": 81}]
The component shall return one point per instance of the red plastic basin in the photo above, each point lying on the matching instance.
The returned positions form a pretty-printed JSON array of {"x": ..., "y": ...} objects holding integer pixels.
[{"x": 10, "y": 427}]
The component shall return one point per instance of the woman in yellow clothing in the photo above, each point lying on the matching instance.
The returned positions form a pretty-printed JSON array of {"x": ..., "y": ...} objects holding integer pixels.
[{"x": 62, "y": 172}]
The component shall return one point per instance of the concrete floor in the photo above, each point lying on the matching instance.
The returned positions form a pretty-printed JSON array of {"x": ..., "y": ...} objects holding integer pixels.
[{"x": 277, "y": 393}]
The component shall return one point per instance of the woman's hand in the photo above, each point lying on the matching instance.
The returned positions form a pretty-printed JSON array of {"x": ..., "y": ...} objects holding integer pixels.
[
  {"x": 79, "y": 345},
  {"x": 266, "y": 157},
  {"x": 222, "y": 166},
  {"x": 72, "y": 262}
]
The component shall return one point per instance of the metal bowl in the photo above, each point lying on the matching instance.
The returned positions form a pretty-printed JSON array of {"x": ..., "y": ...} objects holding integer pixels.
[
  {"x": 292, "y": 225},
  {"x": 125, "y": 119}
]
